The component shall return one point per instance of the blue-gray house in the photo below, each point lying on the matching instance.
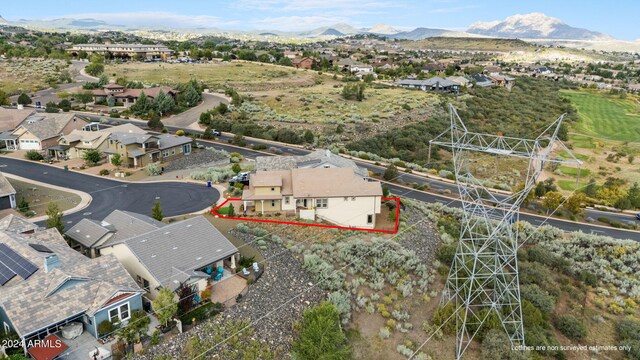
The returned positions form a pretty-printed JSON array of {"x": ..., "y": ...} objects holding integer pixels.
[{"x": 45, "y": 284}]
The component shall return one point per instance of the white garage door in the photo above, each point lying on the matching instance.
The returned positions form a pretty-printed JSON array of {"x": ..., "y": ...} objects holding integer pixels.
[{"x": 29, "y": 144}]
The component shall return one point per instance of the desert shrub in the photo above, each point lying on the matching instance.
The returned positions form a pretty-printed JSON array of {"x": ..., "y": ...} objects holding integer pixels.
[
  {"x": 104, "y": 172},
  {"x": 212, "y": 174},
  {"x": 537, "y": 336},
  {"x": 571, "y": 327},
  {"x": 323, "y": 273},
  {"x": 342, "y": 302},
  {"x": 33, "y": 155},
  {"x": 539, "y": 298},
  {"x": 628, "y": 329},
  {"x": 444, "y": 315},
  {"x": 446, "y": 253},
  {"x": 384, "y": 333},
  {"x": 496, "y": 346},
  {"x": 321, "y": 335},
  {"x": 153, "y": 169},
  {"x": 531, "y": 315}
]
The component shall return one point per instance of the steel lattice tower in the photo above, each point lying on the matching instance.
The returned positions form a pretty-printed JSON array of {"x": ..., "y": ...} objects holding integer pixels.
[{"x": 483, "y": 279}]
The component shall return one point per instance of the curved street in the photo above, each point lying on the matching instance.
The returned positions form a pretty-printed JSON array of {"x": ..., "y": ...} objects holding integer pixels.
[{"x": 176, "y": 198}]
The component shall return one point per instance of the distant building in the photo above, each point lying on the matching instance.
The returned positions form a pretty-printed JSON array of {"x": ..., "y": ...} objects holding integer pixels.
[
  {"x": 42, "y": 130},
  {"x": 303, "y": 63},
  {"x": 435, "y": 83},
  {"x": 7, "y": 194},
  {"x": 354, "y": 66},
  {"x": 481, "y": 80},
  {"x": 128, "y": 97},
  {"x": 123, "y": 50}
]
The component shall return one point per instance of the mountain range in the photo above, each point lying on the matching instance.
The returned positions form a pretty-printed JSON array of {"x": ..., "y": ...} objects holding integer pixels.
[{"x": 528, "y": 26}]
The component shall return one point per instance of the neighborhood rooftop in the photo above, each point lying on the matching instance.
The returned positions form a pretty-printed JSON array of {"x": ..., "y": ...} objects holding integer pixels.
[
  {"x": 76, "y": 284},
  {"x": 317, "y": 158},
  {"x": 176, "y": 251}
]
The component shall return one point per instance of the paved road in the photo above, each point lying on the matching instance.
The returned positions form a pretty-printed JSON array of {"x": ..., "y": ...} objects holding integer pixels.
[
  {"x": 188, "y": 118},
  {"x": 176, "y": 198},
  {"x": 433, "y": 184}
]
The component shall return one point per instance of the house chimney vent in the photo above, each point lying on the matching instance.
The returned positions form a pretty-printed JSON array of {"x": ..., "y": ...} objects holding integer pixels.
[{"x": 51, "y": 262}]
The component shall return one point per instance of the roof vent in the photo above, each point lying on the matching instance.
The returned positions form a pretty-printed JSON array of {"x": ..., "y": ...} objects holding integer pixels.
[
  {"x": 167, "y": 233},
  {"x": 218, "y": 250},
  {"x": 175, "y": 248},
  {"x": 143, "y": 240},
  {"x": 154, "y": 255},
  {"x": 188, "y": 225},
  {"x": 87, "y": 236},
  {"x": 199, "y": 258}
]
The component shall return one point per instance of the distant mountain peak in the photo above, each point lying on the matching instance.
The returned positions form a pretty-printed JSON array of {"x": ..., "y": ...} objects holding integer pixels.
[
  {"x": 534, "y": 26},
  {"x": 3, "y": 21},
  {"x": 383, "y": 29}
]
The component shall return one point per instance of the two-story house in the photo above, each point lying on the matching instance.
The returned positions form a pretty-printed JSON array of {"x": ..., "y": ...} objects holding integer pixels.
[
  {"x": 337, "y": 195},
  {"x": 138, "y": 150},
  {"x": 42, "y": 130},
  {"x": 73, "y": 145}
]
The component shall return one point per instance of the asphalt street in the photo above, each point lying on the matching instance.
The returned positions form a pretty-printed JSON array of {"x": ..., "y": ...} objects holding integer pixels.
[
  {"x": 176, "y": 198},
  {"x": 421, "y": 195}
]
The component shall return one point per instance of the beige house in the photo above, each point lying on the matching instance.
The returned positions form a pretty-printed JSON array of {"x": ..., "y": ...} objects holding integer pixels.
[
  {"x": 186, "y": 253},
  {"x": 73, "y": 145},
  {"x": 337, "y": 195},
  {"x": 41, "y": 131},
  {"x": 139, "y": 149}
]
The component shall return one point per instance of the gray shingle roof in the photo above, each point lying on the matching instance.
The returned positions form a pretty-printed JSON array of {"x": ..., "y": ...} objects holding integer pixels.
[
  {"x": 87, "y": 232},
  {"x": 128, "y": 224},
  {"x": 5, "y": 187},
  {"x": 318, "y": 158},
  {"x": 41, "y": 300},
  {"x": 168, "y": 141},
  {"x": 434, "y": 81},
  {"x": 46, "y": 126},
  {"x": 128, "y": 138},
  {"x": 16, "y": 224},
  {"x": 177, "y": 251}
]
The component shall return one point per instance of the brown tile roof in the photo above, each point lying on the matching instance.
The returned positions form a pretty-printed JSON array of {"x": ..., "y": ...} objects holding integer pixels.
[{"x": 11, "y": 118}]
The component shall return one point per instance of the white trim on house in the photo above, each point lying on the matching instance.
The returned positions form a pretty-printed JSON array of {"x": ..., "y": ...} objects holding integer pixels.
[{"x": 120, "y": 312}]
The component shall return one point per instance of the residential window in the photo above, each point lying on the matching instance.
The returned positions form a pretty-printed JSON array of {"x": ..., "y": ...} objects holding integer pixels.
[
  {"x": 165, "y": 153},
  {"x": 186, "y": 149},
  {"x": 173, "y": 151},
  {"x": 322, "y": 203},
  {"x": 273, "y": 203},
  {"x": 346, "y": 198},
  {"x": 369, "y": 219},
  {"x": 353, "y": 198},
  {"x": 121, "y": 146},
  {"x": 119, "y": 313},
  {"x": 286, "y": 200},
  {"x": 273, "y": 189}
]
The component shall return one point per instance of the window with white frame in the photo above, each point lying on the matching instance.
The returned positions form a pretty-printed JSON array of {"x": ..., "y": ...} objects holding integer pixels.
[
  {"x": 273, "y": 203},
  {"x": 120, "y": 313},
  {"x": 322, "y": 203},
  {"x": 286, "y": 200},
  {"x": 165, "y": 153},
  {"x": 369, "y": 219},
  {"x": 186, "y": 149}
]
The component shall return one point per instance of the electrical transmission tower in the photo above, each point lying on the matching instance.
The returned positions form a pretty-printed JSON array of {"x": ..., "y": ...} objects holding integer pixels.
[{"x": 483, "y": 279}]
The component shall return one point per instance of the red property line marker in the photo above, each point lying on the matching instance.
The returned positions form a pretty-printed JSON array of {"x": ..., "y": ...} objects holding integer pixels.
[{"x": 296, "y": 223}]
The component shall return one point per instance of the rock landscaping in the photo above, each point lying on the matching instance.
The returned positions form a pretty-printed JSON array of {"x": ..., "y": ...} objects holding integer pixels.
[
  {"x": 274, "y": 302},
  {"x": 207, "y": 157}
]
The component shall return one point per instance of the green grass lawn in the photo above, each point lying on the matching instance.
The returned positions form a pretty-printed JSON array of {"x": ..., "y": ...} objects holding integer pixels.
[
  {"x": 570, "y": 185},
  {"x": 571, "y": 171},
  {"x": 605, "y": 116},
  {"x": 582, "y": 157}
]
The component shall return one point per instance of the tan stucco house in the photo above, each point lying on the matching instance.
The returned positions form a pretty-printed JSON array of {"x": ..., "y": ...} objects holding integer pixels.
[
  {"x": 337, "y": 195},
  {"x": 41, "y": 131},
  {"x": 139, "y": 149},
  {"x": 73, "y": 145}
]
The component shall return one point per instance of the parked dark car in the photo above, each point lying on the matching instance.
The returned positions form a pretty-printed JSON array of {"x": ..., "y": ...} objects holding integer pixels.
[{"x": 242, "y": 178}]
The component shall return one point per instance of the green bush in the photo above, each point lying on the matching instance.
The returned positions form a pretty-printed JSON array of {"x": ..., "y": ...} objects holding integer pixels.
[
  {"x": 105, "y": 327},
  {"x": 202, "y": 313},
  {"x": 628, "y": 329},
  {"x": 33, "y": 155},
  {"x": 446, "y": 253},
  {"x": 539, "y": 298},
  {"x": 104, "y": 172},
  {"x": 571, "y": 327}
]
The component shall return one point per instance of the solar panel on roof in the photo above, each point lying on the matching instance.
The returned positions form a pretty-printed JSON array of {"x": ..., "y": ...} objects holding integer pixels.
[
  {"x": 40, "y": 248},
  {"x": 5, "y": 274},
  {"x": 15, "y": 262}
]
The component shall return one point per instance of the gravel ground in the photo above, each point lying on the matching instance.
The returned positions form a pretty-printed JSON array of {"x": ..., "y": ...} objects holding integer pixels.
[
  {"x": 272, "y": 304},
  {"x": 423, "y": 238},
  {"x": 199, "y": 158}
]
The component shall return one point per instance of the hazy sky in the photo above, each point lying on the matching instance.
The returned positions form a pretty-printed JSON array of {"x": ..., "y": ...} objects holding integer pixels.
[{"x": 619, "y": 21}]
